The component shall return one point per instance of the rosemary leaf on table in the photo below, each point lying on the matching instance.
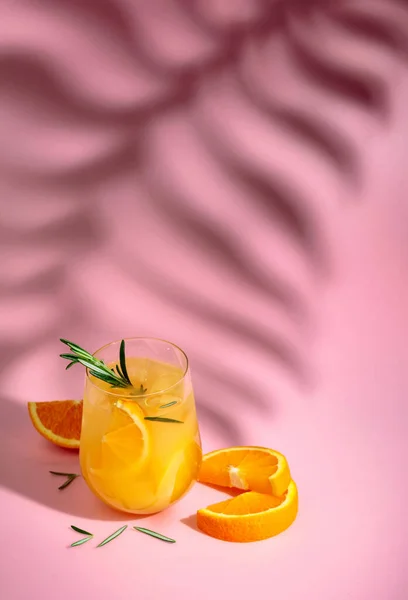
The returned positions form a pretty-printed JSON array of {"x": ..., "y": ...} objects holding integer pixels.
[
  {"x": 68, "y": 482},
  {"x": 155, "y": 534},
  {"x": 79, "y": 530},
  {"x": 114, "y": 535},
  {"x": 70, "y": 478},
  {"x": 81, "y": 541}
]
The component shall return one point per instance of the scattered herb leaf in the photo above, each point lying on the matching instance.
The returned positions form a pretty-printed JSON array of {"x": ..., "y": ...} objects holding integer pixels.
[
  {"x": 68, "y": 482},
  {"x": 169, "y": 404},
  {"x": 81, "y": 541},
  {"x": 70, "y": 478},
  {"x": 163, "y": 420},
  {"x": 78, "y": 530},
  {"x": 159, "y": 536},
  {"x": 112, "y": 536}
]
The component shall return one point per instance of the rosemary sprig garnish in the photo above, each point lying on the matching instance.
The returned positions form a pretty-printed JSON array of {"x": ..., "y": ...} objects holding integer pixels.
[
  {"x": 70, "y": 478},
  {"x": 81, "y": 541},
  {"x": 112, "y": 536},
  {"x": 116, "y": 377},
  {"x": 120, "y": 378},
  {"x": 78, "y": 530},
  {"x": 162, "y": 420},
  {"x": 159, "y": 536},
  {"x": 96, "y": 367}
]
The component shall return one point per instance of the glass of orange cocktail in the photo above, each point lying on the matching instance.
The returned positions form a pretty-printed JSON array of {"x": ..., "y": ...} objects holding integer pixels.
[{"x": 140, "y": 448}]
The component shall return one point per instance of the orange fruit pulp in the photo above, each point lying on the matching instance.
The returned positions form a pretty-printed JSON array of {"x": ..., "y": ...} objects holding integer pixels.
[
  {"x": 247, "y": 468},
  {"x": 58, "y": 421}
]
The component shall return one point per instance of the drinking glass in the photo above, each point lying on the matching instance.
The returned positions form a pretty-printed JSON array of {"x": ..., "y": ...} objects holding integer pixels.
[{"x": 140, "y": 448}]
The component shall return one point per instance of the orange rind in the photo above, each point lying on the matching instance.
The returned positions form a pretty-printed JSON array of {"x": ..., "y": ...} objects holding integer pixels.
[{"x": 250, "y": 516}]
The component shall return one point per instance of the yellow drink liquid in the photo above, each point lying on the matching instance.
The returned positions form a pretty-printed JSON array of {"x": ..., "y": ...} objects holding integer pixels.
[{"x": 133, "y": 464}]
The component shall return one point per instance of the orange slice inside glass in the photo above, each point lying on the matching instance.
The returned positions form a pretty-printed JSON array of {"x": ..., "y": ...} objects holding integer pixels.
[{"x": 125, "y": 445}]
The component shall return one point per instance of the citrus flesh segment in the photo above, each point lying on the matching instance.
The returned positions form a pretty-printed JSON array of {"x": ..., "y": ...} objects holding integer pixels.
[
  {"x": 125, "y": 445},
  {"x": 250, "y": 516},
  {"x": 58, "y": 421},
  {"x": 124, "y": 450},
  {"x": 247, "y": 468}
]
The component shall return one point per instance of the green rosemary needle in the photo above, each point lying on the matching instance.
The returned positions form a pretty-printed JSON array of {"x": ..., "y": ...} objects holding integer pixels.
[
  {"x": 122, "y": 360},
  {"x": 162, "y": 420},
  {"x": 70, "y": 478},
  {"x": 68, "y": 482},
  {"x": 81, "y": 541},
  {"x": 78, "y": 530},
  {"x": 112, "y": 536},
  {"x": 159, "y": 536},
  {"x": 169, "y": 404}
]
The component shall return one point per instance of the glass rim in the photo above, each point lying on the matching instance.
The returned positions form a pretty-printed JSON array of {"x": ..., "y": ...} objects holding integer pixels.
[{"x": 139, "y": 396}]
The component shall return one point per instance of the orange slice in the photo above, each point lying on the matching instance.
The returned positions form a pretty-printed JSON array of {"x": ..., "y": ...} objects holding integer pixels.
[
  {"x": 247, "y": 468},
  {"x": 59, "y": 421},
  {"x": 125, "y": 445},
  {"x": 249, "y": 517},
  {"x": 124, "y": 450}
]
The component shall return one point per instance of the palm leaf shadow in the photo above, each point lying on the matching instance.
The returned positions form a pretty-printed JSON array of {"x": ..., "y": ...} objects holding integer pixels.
[
  {"x": 285, "y": 204},
  {"x": 354, "y": 86}
]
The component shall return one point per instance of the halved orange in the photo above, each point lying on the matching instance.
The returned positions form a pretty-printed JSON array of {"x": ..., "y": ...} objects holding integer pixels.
[
  {"x": 247, "y": 468},
  {"x": 58, "y": 421},
  {"x": 249, "y": 517}
]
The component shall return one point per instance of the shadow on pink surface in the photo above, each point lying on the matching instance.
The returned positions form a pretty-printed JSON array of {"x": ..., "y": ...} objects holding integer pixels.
[
  {"x": 27, "y": 460},
  {"x": 188, "y": 194}
]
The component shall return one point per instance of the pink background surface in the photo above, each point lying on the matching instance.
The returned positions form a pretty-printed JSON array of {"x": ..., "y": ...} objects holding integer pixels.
[{"x": 230, "y": 176}]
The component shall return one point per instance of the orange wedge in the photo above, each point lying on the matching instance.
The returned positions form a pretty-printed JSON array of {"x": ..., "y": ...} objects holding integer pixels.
[
  {"x": 249, "y": 517},
  {"x": 59, "y": 421},
  {"x": 247, "y": 468}
]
